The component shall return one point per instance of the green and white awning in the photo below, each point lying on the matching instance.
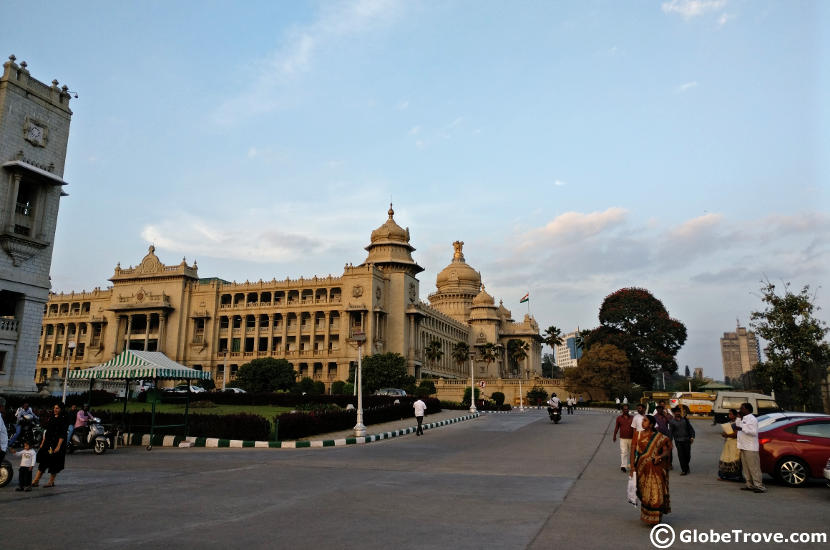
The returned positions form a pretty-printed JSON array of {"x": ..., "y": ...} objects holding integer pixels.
[{"x": 139, "y": 365}]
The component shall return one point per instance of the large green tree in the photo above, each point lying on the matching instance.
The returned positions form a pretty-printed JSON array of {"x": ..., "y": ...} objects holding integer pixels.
[
  {"x": 797, "y": 357},
  {"x": 636, "y": 322},
  {"x": 549, "y": 368},
  {"x": 603, "y": 366},
  {"x": 517, "y": 351},
  {"x": 385, "y": 370},
  {"x": 433, "y": 352},
  {"x": 461, "y": 354},
  {"x": 266, "y": 375}
]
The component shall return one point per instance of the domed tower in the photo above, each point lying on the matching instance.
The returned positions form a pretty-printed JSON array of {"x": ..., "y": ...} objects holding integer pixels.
[
  {"x": 390, "y": 248},
  {"x": 458, "y": 284},
  {"x": 484, "y": 318}
]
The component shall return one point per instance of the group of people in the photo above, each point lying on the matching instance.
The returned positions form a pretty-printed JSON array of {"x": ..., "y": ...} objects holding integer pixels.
[
  {"x": 556, "y": 403},
  {"x": 646, "y": 445},
  {"x": 647, "y": 442},
  {"x": 51, "y": 453}
]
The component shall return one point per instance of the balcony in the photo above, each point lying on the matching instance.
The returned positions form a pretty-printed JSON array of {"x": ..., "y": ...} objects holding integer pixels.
[{"x": 9, "y": 328}]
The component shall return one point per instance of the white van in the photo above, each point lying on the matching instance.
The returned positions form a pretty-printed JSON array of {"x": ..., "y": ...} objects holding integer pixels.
[{"x": 761, "y": 404}]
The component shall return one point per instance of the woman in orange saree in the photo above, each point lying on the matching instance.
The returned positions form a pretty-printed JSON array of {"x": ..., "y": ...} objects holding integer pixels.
[{"x": 649, "y": 450}]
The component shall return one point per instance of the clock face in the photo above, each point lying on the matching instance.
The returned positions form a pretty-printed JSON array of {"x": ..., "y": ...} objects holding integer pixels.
[{"x": 35, "y": 134}]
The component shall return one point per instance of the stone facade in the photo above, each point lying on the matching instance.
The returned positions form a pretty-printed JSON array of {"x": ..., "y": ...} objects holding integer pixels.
[
  {"x": 739, "y": 351},
  {"x": 34, "y": 132},
  {"x": 211, "y": 323}
]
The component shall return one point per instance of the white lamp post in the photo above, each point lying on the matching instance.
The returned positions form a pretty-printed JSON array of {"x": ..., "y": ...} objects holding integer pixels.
[
  {"x": 359, "y": 428},
  {"x": 225, "y": 372},
  {"x": 472, "y": 386},
  {"x": 70, "y": 347}
]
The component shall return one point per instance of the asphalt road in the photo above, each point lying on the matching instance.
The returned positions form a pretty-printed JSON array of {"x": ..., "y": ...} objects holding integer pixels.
[{"x": 500, "y": 481}]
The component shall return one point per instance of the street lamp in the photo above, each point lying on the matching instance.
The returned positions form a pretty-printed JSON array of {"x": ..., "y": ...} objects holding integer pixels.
[
  {"x": 70, "y": 347},
  {"x": 472, "y": 386},
  {"x": 359, "y": 428}
]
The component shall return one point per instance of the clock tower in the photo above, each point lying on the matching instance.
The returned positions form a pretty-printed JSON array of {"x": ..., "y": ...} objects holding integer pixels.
[{"x": 34, "y": 132}]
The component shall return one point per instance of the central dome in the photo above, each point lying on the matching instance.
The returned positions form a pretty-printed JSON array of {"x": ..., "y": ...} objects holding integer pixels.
[{"x": 458, "y": 275}]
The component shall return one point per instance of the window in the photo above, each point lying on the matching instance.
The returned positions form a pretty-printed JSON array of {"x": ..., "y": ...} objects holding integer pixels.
[
  {"x": 815, "y": 429},
  {"x": 767, "y": 405},
  {"x": 235, "y": 345},
  {"x": 58, "y": 350},
  {"x": 2, "y": 361}
]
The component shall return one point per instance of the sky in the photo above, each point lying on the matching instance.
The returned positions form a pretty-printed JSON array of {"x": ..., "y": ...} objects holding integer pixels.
[{"x": 575, "y": 147}]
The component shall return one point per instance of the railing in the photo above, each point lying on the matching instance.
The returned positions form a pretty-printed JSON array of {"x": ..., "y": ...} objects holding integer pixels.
[{"x": 9, "y": 325}]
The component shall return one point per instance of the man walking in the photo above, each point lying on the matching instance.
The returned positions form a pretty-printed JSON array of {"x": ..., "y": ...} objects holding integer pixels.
[
  {"x": 626, "y": 431},
  {"x": 683, "y": 434},
  {"x": 420, "y": 408},
  {"x": 746, "y": 430},
  {"x": 637, "y": 419}
]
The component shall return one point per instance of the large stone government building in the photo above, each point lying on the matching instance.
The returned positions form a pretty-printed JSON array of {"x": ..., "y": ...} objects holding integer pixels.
[{"x": 210, "y": 323}]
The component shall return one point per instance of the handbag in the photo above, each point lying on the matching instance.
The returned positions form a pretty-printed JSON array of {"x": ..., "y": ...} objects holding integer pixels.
[{"x": 632, "y": 490}]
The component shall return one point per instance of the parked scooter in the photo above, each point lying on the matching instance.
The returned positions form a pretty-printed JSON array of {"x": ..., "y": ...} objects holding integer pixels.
[
  {"x": 94, "y": 437},
  {"x": 30, "y": 430},
  {"x": 555, "y": 414}
]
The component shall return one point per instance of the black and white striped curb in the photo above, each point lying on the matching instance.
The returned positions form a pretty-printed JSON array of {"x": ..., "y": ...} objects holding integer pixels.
[{"x": 211, "y": 442}]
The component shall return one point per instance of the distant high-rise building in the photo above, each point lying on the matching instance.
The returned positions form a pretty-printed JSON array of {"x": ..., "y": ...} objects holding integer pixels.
[
  {"x": 569, "y": 352},
  {"x": 740, "y": 352},
  {"x": 698, "y": 373}
]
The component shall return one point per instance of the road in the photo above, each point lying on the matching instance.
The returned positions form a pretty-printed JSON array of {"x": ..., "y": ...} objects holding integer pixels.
[{"x": 499, "y": 481}]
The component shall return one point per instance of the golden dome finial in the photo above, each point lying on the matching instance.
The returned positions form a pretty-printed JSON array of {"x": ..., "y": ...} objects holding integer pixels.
[
  {"x": 391, "y": 211},
  {"x": 458, "y": 255}
]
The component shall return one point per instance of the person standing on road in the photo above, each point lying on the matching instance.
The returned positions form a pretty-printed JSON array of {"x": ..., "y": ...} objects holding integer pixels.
[
  {"x": 52, "y": 452},
  {"x": 420, "y": 408},
  {"x": 683, "y": 435},
  {"x": 626, "y": 431},
  {"x": 571, "y": 404},
  {"x": 649, "y": 450},
  {"x": 746, "y": 432},
  {"x": 637, "y": 419},
  {"x": 729, "y": 465}
]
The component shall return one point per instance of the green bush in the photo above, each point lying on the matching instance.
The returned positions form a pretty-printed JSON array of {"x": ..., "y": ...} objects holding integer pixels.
[
  {"x": 337, "y": 387},
  {"x": 498, "y": 397}
]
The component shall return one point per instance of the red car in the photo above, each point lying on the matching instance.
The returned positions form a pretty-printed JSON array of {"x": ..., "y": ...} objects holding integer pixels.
[{"x": 795, "y": 450}]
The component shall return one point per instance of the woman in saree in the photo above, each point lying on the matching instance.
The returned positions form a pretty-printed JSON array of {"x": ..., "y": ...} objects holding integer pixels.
[
  {"x": 649, "y": 451},
  {"x": 729, "y": 465}
]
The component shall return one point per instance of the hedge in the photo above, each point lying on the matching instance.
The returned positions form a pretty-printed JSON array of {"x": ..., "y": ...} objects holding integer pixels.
[
  {"x": 42, "y": 405},
  {"x": 230, "y": 426}
]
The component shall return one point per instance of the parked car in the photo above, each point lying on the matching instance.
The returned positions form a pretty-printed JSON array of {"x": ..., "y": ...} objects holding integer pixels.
[
  {"x": 231, "y": 389},
  {"x": 391, "y": 391},
  {"x": 795, "y": 450},
  {"x": 770, "y": 418},
  {"x": 183, "y": 388},
  {"x": 762, "y": 404}
]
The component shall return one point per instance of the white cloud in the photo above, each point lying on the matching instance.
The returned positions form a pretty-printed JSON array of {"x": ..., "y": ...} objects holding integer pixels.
[
  {"x": 686, "y": 87},
  {"x": 693, "y": 8},
  {"x": 560, "y": 183},
  {"x": 724, "y": 18},
  {"x": 574, "y": 226},
  {"x": 414, "y": 130}
]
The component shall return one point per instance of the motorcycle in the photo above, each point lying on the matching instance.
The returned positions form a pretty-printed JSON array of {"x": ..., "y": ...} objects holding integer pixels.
[
  {"x": 94, "y": 437},
  {"x": 30, "y": 430},
  {"x": 6, "y": 473},
  {"x": 555, "y": 414}
]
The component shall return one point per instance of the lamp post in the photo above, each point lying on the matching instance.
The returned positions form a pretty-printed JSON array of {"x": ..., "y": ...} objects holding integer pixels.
[
  {"x": 359, "y": 428},
  {"x": 225, "y": 372},
  {"x": 472, "y": 386},
  {"x": 70, "y": 347}
]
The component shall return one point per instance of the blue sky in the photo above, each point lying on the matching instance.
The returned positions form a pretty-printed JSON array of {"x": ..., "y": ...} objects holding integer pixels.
[{"x": 575, "y": 147}]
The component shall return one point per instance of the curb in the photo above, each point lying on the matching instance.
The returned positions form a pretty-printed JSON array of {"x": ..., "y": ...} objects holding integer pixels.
[{"x": 159, "y": 440}]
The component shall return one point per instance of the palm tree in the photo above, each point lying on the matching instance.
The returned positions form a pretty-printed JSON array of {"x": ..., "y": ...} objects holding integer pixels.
[
  {"x": 553, "y": 336},
  {"x": 433, "y": 352},
  {"x": 518, "y": 353},
  {"x": 460, "y": 354},
  {"x": 488, "y": 353}
]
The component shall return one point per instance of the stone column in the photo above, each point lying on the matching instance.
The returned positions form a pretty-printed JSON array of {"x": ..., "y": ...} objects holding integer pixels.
[
  {"x": 147, "y": 318},
  {"x": 128, "y": 334},
  {"x": 256, "y": 334},
  {"x": 163, "y": 331},
  {"x": 326, "y": 331},
  {"x": 271, "y": 321}
]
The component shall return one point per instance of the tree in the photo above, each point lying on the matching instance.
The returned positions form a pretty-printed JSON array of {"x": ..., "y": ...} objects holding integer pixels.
[
  {"x": 517, "y": 351},
  {"x": 307, "y": 386},
  {"x": 537, "y": 395},
  {"x": 385, "y": 370},
  {"x": 461, "y": 354},
  {"x": 602, "y": 366},
  {"x": 207, "y": 383},
  {"x": 337, "y": 387},
  {"x": 488, "y": 353},
  {"x": 498, "y": 397},
  {"x": 549, "y": 368},
  {"x": 426, "y": 388},
  {"x": 266, "y": 375},
  {"x": 553, "y": 337},
  {"x": 797, "y": 355},
  {"x": 636, "y": 322},
  {"x": 434, "y": 352},
  {"x": 466, "y": 399}
]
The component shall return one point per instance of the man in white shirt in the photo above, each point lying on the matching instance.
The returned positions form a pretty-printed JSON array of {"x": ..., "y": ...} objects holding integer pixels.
[
  {"x": 420, "y": 408},
  {"x": 746, "y": 430},
  {"x": 637, "y": 419}
]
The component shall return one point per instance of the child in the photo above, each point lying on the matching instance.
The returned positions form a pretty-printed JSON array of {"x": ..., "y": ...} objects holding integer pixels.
[{"x": 27, "y": 461}]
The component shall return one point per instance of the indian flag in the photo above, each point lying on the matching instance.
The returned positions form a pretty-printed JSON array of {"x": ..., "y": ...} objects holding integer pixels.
[{"x": 525, "y": 298}]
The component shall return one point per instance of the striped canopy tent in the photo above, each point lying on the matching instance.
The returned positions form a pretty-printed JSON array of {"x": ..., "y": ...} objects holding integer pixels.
[{"x": 135, "y": 365}]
